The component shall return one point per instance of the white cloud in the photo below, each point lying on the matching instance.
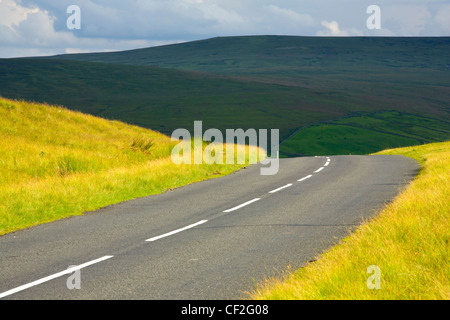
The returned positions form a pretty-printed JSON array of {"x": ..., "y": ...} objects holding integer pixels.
[
  {"x": 12, "y": 14},
  {"x": 40, "y": 25},
  {"x": 31, "y": 32},
  {"x": 27, "y": 26},
  {"x": 332, "y": 29}
]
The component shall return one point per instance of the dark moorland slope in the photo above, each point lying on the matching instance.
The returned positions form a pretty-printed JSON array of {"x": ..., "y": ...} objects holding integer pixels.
[{"x": 326, "y": 94}]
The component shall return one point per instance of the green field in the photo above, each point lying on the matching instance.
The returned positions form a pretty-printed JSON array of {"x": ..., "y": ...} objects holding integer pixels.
[
  {"x": 268, "y": 82},
  {"x": 366, "y": 133}
]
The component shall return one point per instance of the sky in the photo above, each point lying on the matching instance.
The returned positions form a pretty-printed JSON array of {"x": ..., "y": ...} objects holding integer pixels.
[{"x": 36, "y": 28}]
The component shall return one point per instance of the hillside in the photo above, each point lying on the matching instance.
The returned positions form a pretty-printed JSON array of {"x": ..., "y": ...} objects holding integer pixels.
[
  {"x": 269, "y": 55},
  {"x": 162, "y": 99},
  {"x": 56, "y": 163},
  {"x": 288, "y": 83},
  {"x": 365, "y": 133}
]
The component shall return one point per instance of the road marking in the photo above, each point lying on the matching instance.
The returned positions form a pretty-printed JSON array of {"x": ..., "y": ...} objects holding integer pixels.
[
  {"x": 303, "y": 179},
  {"x": 284, "y": 187},
  {"x": 84, "y": 265},
  {"x": 176, "y": 231},
  {"x": 54, "y": 276},
  {"x": 242, "y": 205}
]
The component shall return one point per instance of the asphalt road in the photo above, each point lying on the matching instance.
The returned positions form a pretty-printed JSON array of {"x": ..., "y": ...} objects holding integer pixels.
[{"x": 206, "y": 241}]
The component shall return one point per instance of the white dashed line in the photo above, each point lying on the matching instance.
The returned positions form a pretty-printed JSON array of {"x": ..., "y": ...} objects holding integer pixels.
[
  {"x": 72, "y": 269},
  {"x": 54, "y": 276},
  {"x": 305, "y": 178},
  {"x": 176, "y": 231},
  {"x": 284, "y": 187},
  {"x": 242, "y": 205}
]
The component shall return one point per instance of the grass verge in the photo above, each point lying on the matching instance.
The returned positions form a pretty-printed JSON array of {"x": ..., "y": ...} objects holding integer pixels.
[
  {"x": 55, "y": 163},
  {"x": 408, "y": 241}
]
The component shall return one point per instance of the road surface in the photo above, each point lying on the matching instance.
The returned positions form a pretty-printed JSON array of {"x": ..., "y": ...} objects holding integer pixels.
[{"x": 209, "y": 240}]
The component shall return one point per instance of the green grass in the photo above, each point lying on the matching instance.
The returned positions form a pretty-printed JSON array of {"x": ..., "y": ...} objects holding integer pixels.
[
  {"x": 366, "y": 133},
  {"x": 55, "y": 163},
  {"x": 409, "y": 241}
]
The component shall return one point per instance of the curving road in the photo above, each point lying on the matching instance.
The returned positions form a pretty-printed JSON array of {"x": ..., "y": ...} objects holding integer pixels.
[{"x": 209, "y": 240}]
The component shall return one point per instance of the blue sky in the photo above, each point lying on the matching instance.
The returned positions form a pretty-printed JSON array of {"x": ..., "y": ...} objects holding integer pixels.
[{"x": 30, "y": 28}]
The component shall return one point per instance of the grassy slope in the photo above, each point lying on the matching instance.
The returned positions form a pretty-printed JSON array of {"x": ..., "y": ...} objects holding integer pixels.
[
  {"x": 367, "y": 133},
  {"x": 265, "y": 82},
  {"x": 409, "y": 241},
  {"x": 56, "y": 163}
]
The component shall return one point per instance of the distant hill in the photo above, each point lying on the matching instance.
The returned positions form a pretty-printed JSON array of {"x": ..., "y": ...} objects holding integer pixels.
[
  {"x": 265, "y": 54},
  {"x": 269, "y": 82}
]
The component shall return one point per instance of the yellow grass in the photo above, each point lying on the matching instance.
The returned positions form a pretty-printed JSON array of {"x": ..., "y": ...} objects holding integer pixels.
[
  {"x": 55, "y": 163},
  {"x": 408, "y": 241}
]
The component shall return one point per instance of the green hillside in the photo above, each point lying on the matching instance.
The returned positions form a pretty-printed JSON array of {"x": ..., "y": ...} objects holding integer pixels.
[
  {"x": 269, "y": 82},
  {"x": 366, "y": 133},
  {"x": 163, "y": 99}
]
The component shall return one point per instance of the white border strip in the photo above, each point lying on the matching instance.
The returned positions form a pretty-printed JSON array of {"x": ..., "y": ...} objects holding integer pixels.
[
  {"x": 176, "y": 231},
  {"x": 318, "y": 170},
  {"x": 53, "y": 276}
]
